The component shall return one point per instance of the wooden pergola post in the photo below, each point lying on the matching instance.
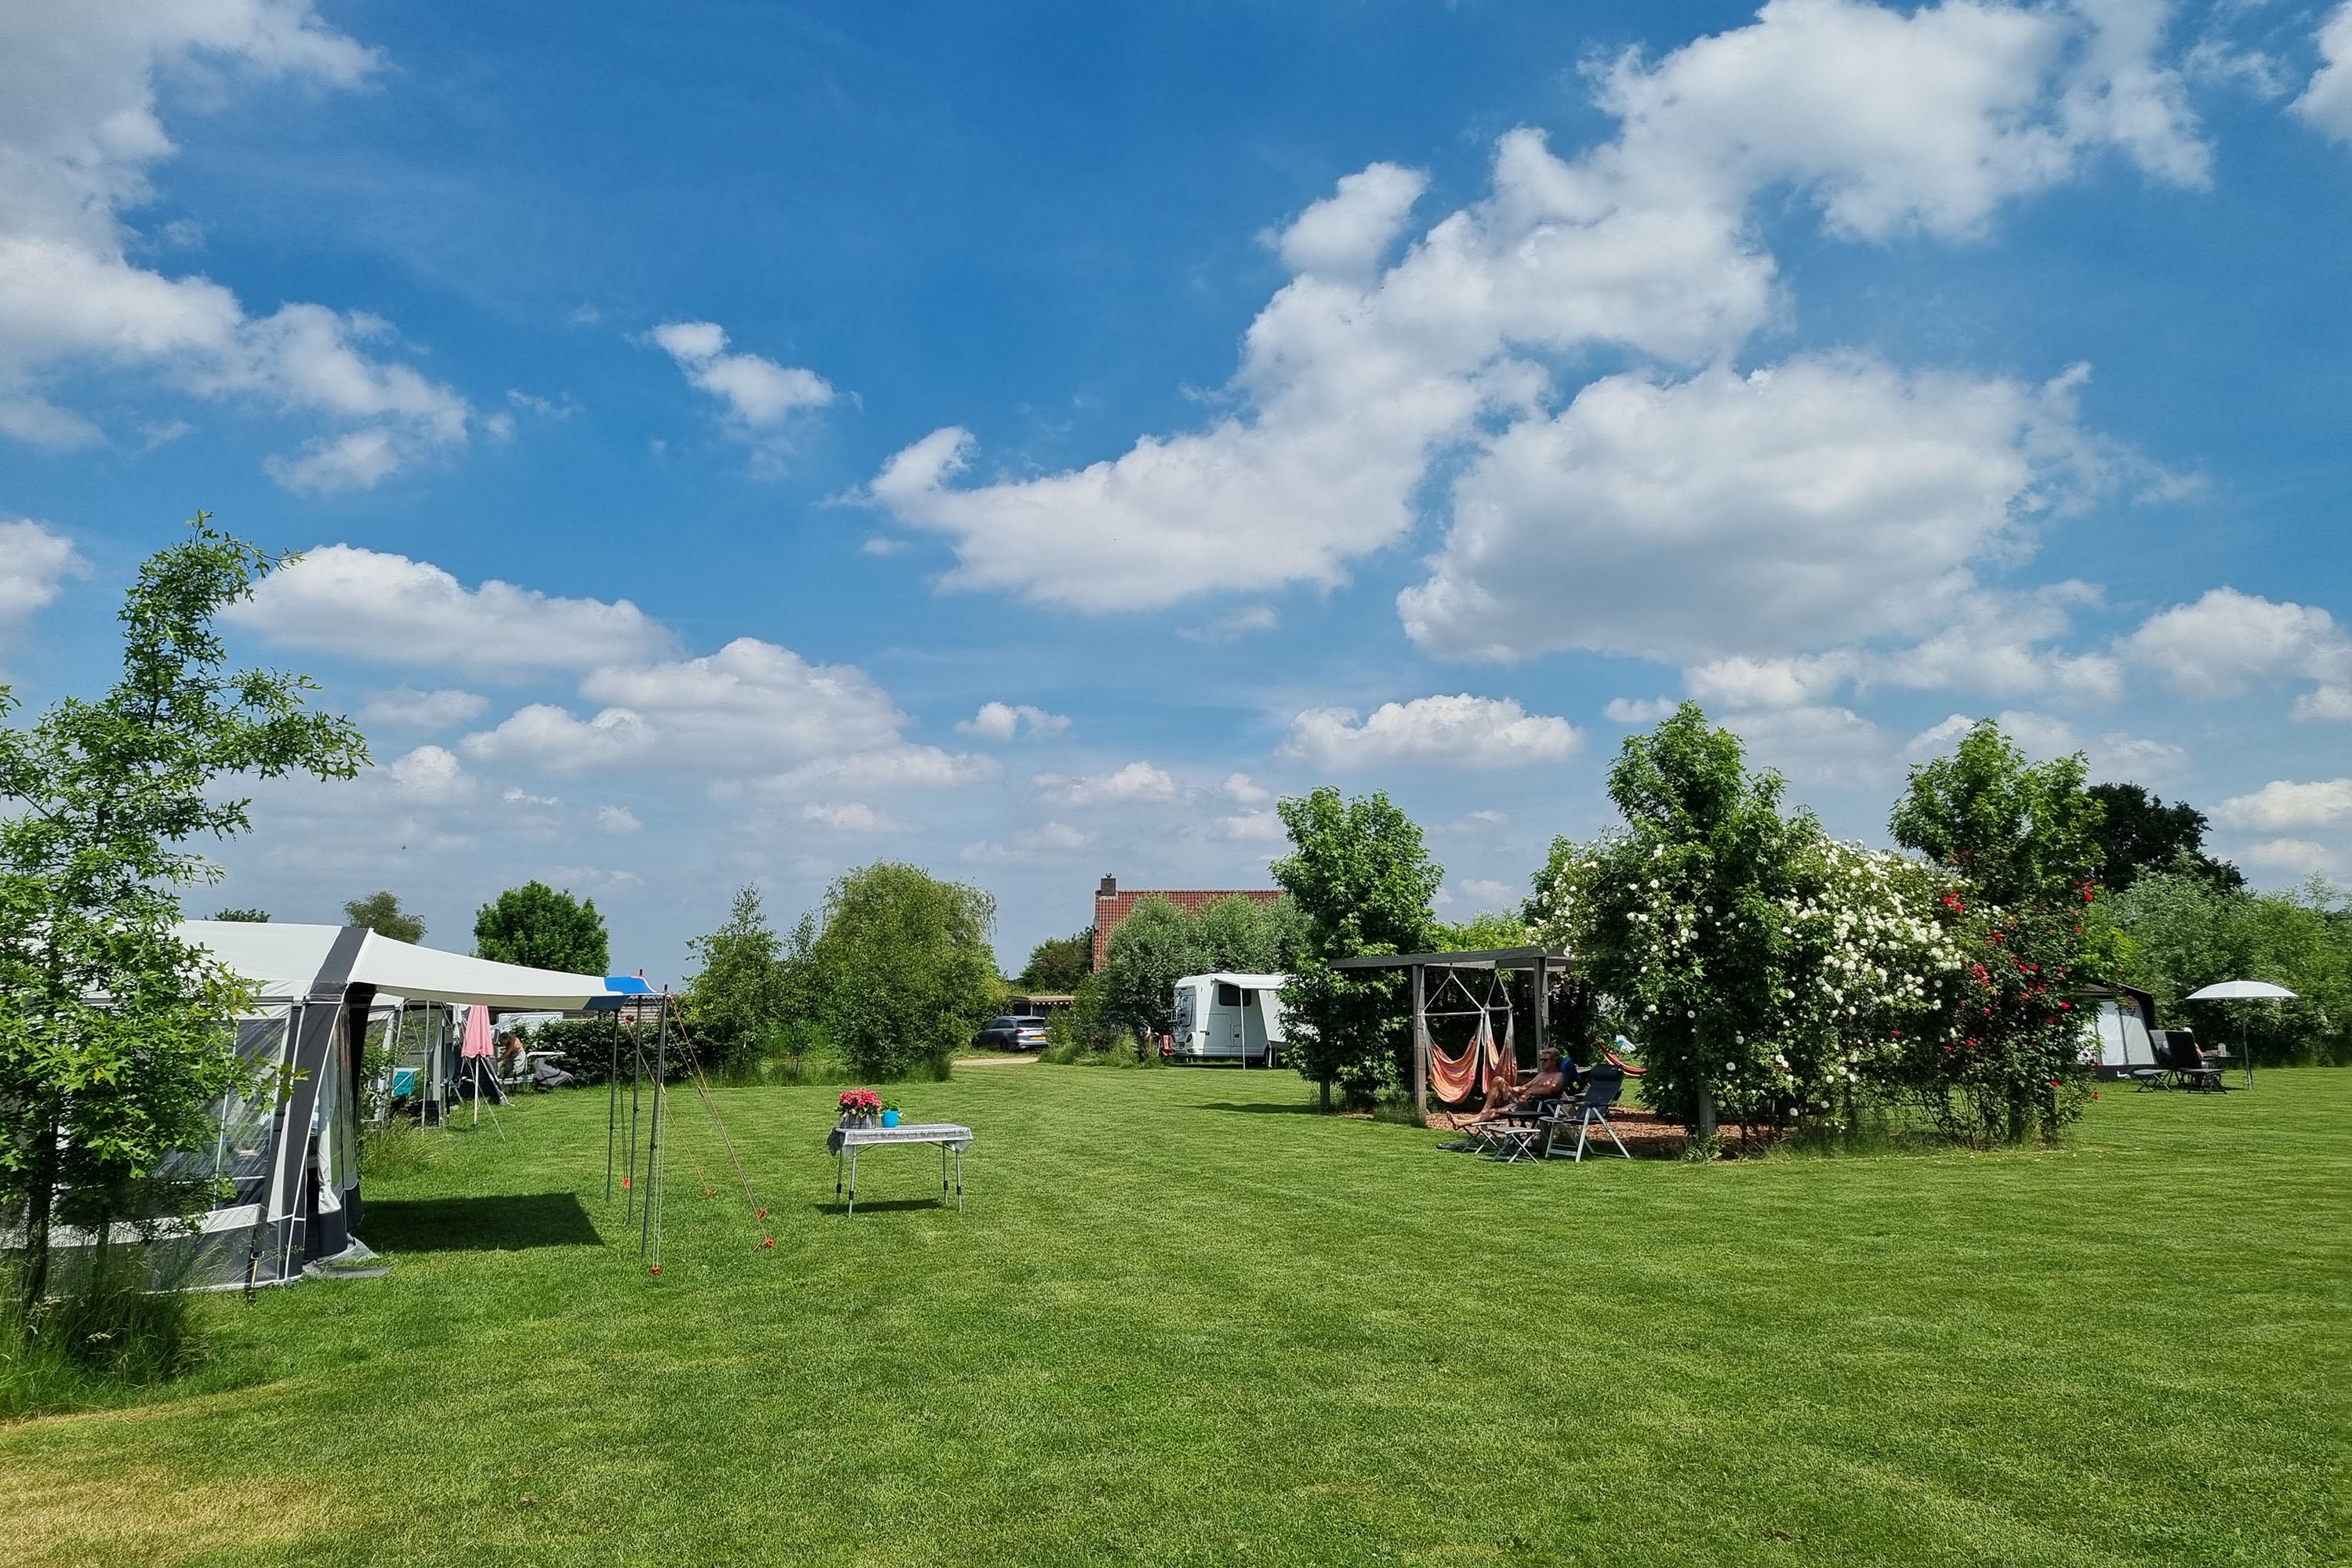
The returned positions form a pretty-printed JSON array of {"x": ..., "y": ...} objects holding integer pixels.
[
  {"x": 1420, "y": 1050},
  {"x": 1541, "y": 1009}
]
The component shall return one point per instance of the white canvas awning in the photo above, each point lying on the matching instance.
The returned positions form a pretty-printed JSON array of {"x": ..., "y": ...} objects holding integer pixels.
[{"x": 285, "y": 960}]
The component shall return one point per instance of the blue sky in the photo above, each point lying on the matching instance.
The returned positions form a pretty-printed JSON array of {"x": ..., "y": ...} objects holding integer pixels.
[{"x": 736, "y": 442}]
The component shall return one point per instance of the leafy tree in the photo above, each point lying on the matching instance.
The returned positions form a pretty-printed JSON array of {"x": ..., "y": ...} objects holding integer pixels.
[
  {"x": 902, "y": 973},
  {"x": 113, "y": 1053},
  {"x": 250, "y": 917},
  {"x": 1156, "y": 945},
  {"x": 1057, "y": 964},
  {"x": 1361, "y": 880},
  {"x": 2024, "y": 840},
  {"x": 2141, "y": 833},
  {"x": 1481, "y": 934},
  {"x": 536, "y": 925},
  {"x": 1680, "y": 918},
  {"x": 381, "y": 913},
  {"x": 2184, "y": 932},
  {"x": 1242, "y": 935},
  {"x": 738, "y": 997}
]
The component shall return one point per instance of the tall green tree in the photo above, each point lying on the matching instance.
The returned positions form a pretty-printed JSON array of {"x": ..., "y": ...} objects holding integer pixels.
[
  {"x": 1361, "y": 880},
  {"x": 1154, "y": 946},
  {"x": 2140, "y": 834},
  {"x": 114, "y": 1048},
  {"x": 901, "y": 972},
  {"x": 535, "y": 925},
  {"x": 248, "y": 917},
  {"x": 738, "y": 998},
  {"x": 1059, "y": 963},
  {"x": 2023, "y": 839},
  {"x": 381, "y": 913}
]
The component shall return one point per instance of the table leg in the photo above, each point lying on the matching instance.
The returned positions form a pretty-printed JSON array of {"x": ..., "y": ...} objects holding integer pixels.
[
  {"x": 836, "y": 1172},
  {"x": 959, "y": 1155},
  {"x": 853, "y": 1179},
  {"x": 943, "y": 1172}
]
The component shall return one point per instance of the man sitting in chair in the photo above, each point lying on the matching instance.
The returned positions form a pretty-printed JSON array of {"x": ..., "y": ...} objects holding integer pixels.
[{"x": 1552, "y": 1080}]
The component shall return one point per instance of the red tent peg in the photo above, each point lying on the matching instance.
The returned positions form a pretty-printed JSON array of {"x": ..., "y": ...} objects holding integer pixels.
[
  {"x": 653, "y": 1268},
  {"x": 768, "y": 1241},
  {"x": 763, "y": 1214},
  {"x": 625, "y": 1181},
  {"x": 710, "y": 1191}
]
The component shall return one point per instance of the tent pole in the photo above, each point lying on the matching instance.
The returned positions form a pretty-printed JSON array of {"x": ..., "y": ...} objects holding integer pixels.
[
  {"x": 636, "y": 1077},
  {"x": 611, "y": 1103},
  {"x": 653, "y": 1129},
  {"x": 1540, "y": 1009}
]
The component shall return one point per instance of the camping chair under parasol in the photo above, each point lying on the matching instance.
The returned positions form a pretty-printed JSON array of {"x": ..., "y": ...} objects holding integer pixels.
[{"x": 2243, "y": 991}]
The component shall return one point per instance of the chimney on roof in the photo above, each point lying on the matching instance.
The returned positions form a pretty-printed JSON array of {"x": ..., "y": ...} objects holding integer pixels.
[{"x": 1109, "y": 888}]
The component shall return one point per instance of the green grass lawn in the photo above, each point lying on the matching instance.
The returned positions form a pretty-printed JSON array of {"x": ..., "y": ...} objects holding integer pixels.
[{"x": 1181, "y": 1321}]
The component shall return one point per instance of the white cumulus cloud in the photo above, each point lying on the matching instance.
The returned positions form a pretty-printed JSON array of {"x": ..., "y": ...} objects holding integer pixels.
[
  {"x": 366, "y": 604},
  {"x": 405, "y": 708},
  {"x": 2227, "y": 641},
  {"x": 1049, "y": 842},
  {"x": 2326, "y": 103},
  {"x": 618, "y": 819},
  {"x": 759, "y": 395},
  {"x": 1462, "y": 732},
  {"x": 1136, "y": 784},
  {"x": 34, "y": 565},
  {"x": 851, "y": 816},
  {"x": 2281, "y": 805},
  {"x": 1353, "y": 380},
  {"x": 1001, "y": 721},
  {"x": 81, "y": 125},
  {"x": 431, "y": 775},
  {"x": 1832, "y": 497}
]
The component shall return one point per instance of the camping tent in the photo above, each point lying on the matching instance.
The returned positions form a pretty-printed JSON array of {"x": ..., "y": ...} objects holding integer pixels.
[
  {"x": 2126, "y": 1014},
  {"x": 295, "y": 1199}
]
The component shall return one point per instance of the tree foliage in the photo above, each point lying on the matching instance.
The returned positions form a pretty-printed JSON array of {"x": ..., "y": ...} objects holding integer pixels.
[
  {"x": 2023, "y": 839},
  {"x": 1361, "y": 880},
  {"x": 114, "y": 1048},
  {"x": 381, "y": 913},
  {"x": 901, "y": 972},
  {"x": 2183, "y": 931},
  {"x": 2141, "y": 833},
  {"x": 1057, "y": 964},
  {"x": 536, "y": 925},
  {"x": 1160, "y": 943},
  {"x": 738, "y": 1000},
  {"x": 248, "y": 917}
]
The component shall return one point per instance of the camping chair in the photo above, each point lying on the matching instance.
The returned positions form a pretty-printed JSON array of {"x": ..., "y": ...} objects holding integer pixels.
[
  {"x": 2193, "y": 1068},
  {"x": 1601, "y": 1086}
]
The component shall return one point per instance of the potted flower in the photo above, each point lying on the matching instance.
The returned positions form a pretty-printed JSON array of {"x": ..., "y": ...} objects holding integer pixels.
[
  {"x": 858, "y": 1107},
  {"x": 889, "y": 1113}
]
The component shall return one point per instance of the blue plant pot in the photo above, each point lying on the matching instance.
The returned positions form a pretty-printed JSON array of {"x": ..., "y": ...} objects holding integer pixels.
[{"x": 889, "y": 1119}]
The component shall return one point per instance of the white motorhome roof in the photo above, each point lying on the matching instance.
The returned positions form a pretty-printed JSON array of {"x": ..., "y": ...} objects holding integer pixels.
[
  {"x": 1246, "y": 982},
  {"x": 285, "y": 959}
]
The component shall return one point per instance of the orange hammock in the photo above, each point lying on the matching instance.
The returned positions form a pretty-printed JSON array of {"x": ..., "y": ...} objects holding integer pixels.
[{"x": 1453, "y": 1080}]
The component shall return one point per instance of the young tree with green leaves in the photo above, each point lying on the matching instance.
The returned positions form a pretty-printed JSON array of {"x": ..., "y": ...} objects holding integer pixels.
[
  {"x": 738, "y": 996},
  {"x": 2023, "y": 839},
  {"x": 246, "y": 917},
  {"x": 1361, "y": 880},
  {"x": 114, "y": 1047},
  {"x": 536, "y": 925},
  {"x": 1057, "y": 964},
  {"x": 381, "y": 913},
  {"x": 902, "y": 973},
  {"x": 1156, "y": 945}
]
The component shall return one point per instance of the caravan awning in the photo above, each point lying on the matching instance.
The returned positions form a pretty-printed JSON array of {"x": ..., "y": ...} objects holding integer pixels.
[{"x": 286, "y": 959}]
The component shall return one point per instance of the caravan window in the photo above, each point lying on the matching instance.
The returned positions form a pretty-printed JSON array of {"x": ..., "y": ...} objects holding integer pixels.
[{"x": 1228, "y": 996}]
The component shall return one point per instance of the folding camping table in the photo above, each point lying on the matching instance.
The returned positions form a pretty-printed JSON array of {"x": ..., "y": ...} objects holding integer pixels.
[{"x": 950, "y": 1138}]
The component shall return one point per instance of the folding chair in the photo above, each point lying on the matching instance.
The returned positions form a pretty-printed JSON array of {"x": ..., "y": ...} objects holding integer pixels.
[
  {"x": 1601, "y": 1086},
  {"x": 1516, "y": 1135}
]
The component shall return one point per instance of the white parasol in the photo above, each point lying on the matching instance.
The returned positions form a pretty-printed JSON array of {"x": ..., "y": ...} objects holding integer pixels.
[{"x": 2242, "y": 991}]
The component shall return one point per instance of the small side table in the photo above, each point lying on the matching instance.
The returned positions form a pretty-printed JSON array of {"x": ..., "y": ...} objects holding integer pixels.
[{"x": 953, "y": 1137}]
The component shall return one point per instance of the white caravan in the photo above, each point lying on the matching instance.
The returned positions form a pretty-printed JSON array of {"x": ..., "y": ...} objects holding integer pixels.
[{"x": 1227, "y": 1019}]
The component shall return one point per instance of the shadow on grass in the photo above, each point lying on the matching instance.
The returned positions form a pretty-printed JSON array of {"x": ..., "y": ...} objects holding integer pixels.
[
  {"x": 479, "y": 1225},
  {"x": 1262, "y": 1110},
  {"x": 883, "y": 1206}
]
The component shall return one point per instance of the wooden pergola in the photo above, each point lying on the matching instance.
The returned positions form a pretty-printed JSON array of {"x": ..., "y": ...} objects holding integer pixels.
[{"x": 1541, "y": 963}]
